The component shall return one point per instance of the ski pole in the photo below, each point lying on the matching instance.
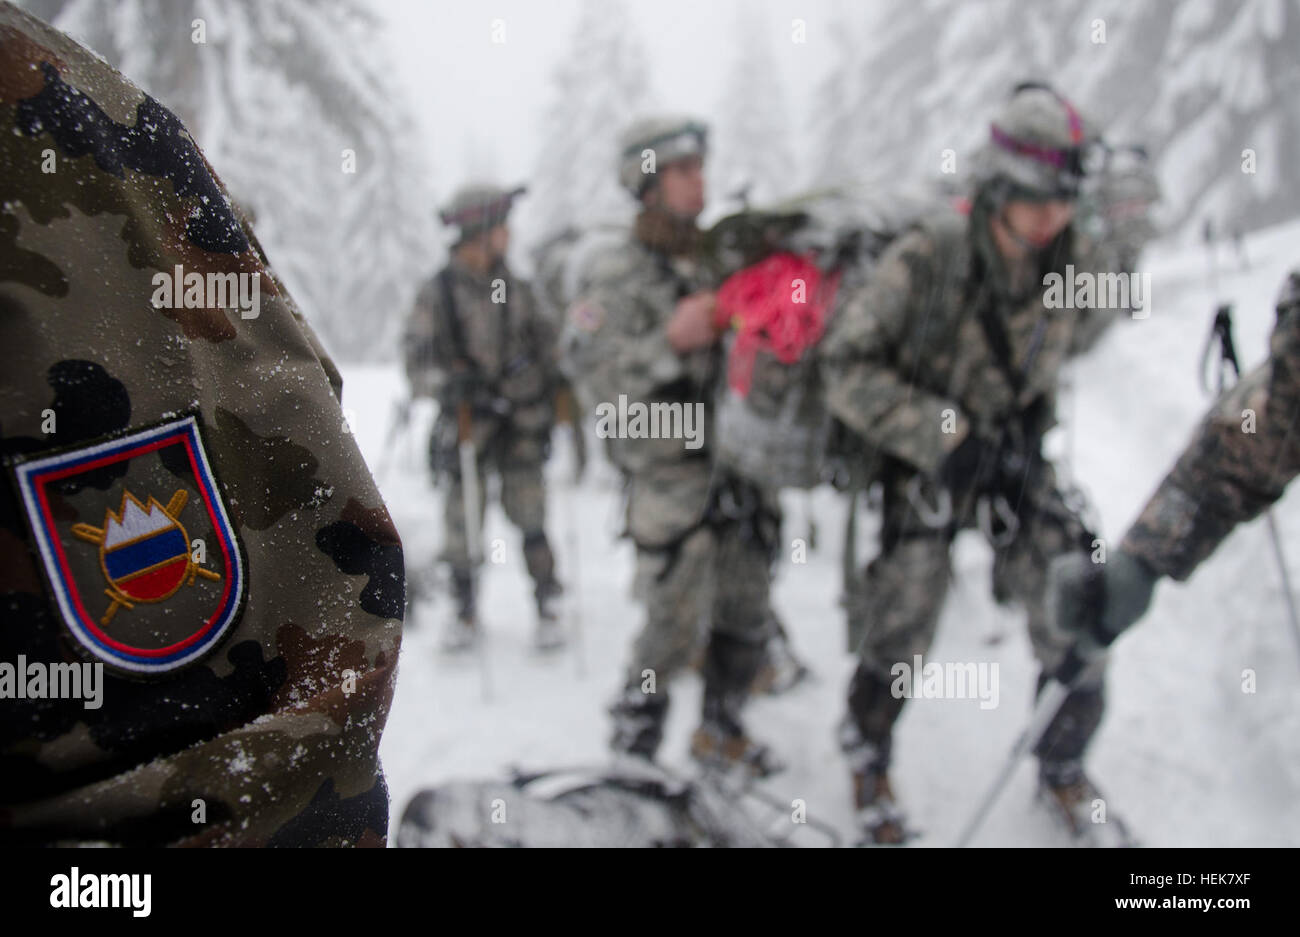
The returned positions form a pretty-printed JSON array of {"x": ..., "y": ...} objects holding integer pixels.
[
  {"x": 566, "y": 415},
  {"x": 1286, "y": 578},
  {"x": 470, "y": 496},
  {"x": 397, "y": 423},
  {"x": 1049, "y": 703},
  {"x": 571, "y": 536},
  {"x": 849, "y": 555}
]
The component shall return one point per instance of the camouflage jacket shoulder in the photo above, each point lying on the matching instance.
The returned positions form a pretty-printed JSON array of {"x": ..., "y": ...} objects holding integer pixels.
[
  {"x": 906, "y": 362},
  {"x": 1238, "y": 462},
  {"x": 615, "y": 343},
  {"x": 185, "y": 512}
]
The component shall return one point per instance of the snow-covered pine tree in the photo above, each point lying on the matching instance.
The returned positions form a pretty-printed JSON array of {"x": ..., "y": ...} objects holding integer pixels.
[
  {"x": 750, "y": 151},
  {"x": 832, "y": 125},
  {"x": 1200, "y": 83},
  {"x": 296, "y": 111},
  {"x": 1228, "y": 80},
  {"x": 600, "y": 86}
]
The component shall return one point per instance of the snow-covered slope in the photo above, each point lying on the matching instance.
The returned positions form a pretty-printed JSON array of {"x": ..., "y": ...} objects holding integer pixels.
[
  {"x": 311, "y": 139},
  {"x": 1184, "y": 755}
]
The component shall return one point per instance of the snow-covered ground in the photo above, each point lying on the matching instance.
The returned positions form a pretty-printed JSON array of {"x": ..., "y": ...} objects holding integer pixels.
[{"x": 1185, "y": 756}]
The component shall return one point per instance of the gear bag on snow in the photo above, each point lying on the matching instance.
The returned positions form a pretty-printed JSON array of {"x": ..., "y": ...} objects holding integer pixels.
[{"x": 627, "y": 804}]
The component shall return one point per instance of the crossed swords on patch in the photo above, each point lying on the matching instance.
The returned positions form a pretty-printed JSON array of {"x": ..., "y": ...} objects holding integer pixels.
[{"x": 144, "y": 558}]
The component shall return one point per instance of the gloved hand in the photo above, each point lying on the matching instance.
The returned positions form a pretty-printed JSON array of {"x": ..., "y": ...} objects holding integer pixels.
[
  {"x": 1094, "y": 603},
  {"x": 467, "y": 387},
  {"x": 459, "y": 387}
]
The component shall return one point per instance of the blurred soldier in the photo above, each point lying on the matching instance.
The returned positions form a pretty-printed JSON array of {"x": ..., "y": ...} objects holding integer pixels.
[
  {"x": 201, "y": 590},
  {"x": 1225, "y": 477},
  {"x": 1120, "y": 200},
  {"x": 1117, "y": 209},
  {"x": 947, "y": 364},
  {"x": 476, "y": 343},
  {"x": 644, "y": 333}
]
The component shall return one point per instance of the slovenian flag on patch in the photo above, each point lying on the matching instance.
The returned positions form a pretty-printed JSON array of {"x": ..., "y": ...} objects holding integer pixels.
[{"x": 140, "y": 553}]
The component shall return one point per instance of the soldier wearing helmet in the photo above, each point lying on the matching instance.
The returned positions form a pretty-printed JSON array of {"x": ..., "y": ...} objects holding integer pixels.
[
  {"x": 947, "y": 364},
  {"x": 644, "y": 330},
  {"x": 476, "y": 343}
]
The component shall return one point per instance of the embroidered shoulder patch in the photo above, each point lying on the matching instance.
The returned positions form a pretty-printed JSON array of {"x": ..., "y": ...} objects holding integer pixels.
[
  {"x": 587, "y": 315},
  {"x": 140, "y": 554}
]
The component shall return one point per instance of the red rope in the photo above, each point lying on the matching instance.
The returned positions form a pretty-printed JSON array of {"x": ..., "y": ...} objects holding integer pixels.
[{"x": 779, "y": 306}]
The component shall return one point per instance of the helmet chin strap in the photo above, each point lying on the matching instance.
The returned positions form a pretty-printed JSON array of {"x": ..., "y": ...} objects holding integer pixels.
[{"x": 1010, "y": 232}]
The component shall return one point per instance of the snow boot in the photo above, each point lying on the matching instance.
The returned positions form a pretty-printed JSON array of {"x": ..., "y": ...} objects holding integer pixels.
[
  {"x": 638, "y": 722},
  {"x": 461, "y": 631},
  {"x": 780, "y": 670},
  {"x": 880, "y": 822},
  {"x": 549, "y": 634},
  {"x": 730, "y": 666},
  {"x": 1078, "y": 806},
  {"x": 726, "y": 748}
]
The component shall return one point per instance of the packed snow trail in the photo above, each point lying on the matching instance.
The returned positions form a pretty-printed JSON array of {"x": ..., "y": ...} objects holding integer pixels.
[{"x": 1184, "y": 755}]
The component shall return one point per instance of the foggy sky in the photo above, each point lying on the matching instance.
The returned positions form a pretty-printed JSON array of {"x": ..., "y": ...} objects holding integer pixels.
[{"x": 480, "y": 105}]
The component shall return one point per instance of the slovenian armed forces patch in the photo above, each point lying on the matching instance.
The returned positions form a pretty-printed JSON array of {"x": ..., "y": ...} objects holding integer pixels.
[{"x": 139, "y": 550}]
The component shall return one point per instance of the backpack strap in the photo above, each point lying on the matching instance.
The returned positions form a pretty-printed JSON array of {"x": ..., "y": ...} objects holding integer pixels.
[{"x": 451, "y": 323}]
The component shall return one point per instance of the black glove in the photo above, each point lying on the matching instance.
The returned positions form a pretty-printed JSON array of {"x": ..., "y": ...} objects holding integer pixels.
[
  {"x": 460, "y": 387},
  {"x": 1094, "y": 603},
  {"x": 468, "y": 387}
]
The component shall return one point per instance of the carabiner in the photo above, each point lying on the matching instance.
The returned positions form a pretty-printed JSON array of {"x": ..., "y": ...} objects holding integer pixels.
[
  {"x": 985, "y": 509},
  {"x": 934, "y": 517}
]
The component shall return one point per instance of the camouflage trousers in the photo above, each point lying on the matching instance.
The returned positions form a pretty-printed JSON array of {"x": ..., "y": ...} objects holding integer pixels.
[
  {"x": 704, "y": 578},
  {"x": 895, "y": 609},
  {"x": 517, "y": 463}
]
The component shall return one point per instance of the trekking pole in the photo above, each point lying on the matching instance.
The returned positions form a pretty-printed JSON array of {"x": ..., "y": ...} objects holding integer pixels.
[
  {"x": 1049, "y": 703},
  {"x": 566, "y": 414},
  {"x": 849, "y": 555},
  {"x": 470, "y": 500},
  {"x": 1287, "y": 592},
  {"x": 397, "y": 424},
  {"x": 1209, "y": 238},
  {"x": 810, "y": 519}
]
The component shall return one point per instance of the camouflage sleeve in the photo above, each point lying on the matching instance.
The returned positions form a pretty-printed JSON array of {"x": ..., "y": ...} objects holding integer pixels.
[
  {"x": 864, "y": 360},
  {"x": 1238, "y": 463},
  {"x": 201, "y": 590},
  {"x": 623, "y": 342},
  {"x": 332, "y": 373}
]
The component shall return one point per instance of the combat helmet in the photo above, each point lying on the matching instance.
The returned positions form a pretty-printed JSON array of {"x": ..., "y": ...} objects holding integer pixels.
[
  {"x": 1040, "y": 147},
  {"x": 670, "y": 138},
  {"x": 479, "y": 207}
]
